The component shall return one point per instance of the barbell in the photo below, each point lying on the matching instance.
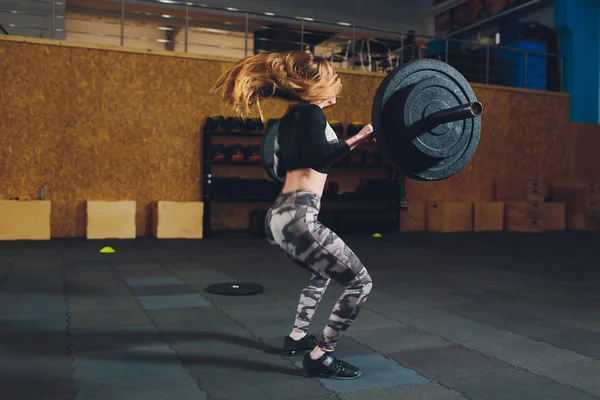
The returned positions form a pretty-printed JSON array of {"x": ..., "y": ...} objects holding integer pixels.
[{"x": 425, "y": 119}]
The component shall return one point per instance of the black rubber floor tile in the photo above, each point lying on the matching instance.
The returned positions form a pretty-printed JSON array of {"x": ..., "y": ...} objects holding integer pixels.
[
  {"x": 49, "y": 343},
  {"x": 106, "y": 303},
  {"x": 447, "y": 363},
  {"x": 397, "y": 338},
  {"x": 35, "y": 369},
  {"x": 164, "y": 290},
  {"x": 29, "y": 391},
  {"x": 155, "y": 359},
  {"x": 518, "y": 322},
  {"x": 258, "y": 375},
  {"x": 516, "y": 384},
  {"x": 580, "y": 375},
  {"x": 107, "y": 319},
  {"x": 173, "y": 386},
  {"x": 427, "y": 391},
  {"x": 583, "y": 341},
  {"x": 115, "y": 338}
]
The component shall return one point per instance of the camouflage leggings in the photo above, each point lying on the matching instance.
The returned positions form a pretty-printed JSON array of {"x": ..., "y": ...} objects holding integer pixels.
[{"x": 291, "y": 224}]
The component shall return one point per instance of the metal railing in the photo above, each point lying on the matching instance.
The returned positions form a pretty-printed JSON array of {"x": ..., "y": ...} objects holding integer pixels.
[{"x": 193, "y": 28}]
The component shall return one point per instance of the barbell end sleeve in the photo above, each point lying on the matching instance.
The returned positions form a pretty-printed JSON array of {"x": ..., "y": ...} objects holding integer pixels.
[{"x": 458, "y": 113}]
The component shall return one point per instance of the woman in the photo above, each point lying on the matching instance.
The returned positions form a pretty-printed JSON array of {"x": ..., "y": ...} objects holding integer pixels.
[{"x": 308, "y": 147}]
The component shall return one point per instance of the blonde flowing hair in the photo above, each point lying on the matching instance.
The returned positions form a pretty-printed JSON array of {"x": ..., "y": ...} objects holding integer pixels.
[{"x": 293, "y": 76}]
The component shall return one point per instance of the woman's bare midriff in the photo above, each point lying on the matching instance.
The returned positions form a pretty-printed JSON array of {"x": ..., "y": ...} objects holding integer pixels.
[{"x": 305, "y": 179}]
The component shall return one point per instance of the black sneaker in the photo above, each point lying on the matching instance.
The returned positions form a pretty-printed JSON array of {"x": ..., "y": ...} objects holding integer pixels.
[
  {"x": 328, "y": 366},
  {"x": 293, "y": 347}
]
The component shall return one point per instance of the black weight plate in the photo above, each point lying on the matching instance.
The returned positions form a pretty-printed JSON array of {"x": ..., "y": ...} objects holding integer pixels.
[
  {"x": 269, "y": 148},
  {"x": 427, "y": 97},
  {"x": 430, "y": 156}
]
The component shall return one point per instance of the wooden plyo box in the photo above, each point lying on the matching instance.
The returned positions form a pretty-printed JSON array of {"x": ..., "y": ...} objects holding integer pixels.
[
  {"x": 535, "y": 189},
  {"x": 524, "y": 224},
  {"x": 587, "y": 221},
  {"x": 582, "y": 203},
  {"x": 555, "y": 216},
  {"x": 178, "y": 220},
  {"x": 450, "y": 217},
  {"x": 533, "y": 216},
  {"x": 488, "y": 216},
  {"x": 578, "y": 196},
  {"x": 592, "y": 202},
  {"x": 593, "y": 221},
  {"x": 25, "y": 220},
  {"x": 525, "y": 209},
  {"x": 111, "y": 219},
  {"x": 414, "y": 219}
]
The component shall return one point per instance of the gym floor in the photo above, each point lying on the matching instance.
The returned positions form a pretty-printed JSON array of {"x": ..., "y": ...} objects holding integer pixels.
[{"x": 451, "y": 316}]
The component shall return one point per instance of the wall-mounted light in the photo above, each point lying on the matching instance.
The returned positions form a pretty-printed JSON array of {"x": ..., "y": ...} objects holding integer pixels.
[
  {"x": 232, "y": 9},
  {"x": 343, "y": 23},
  {"x": 270, "y": 14}
]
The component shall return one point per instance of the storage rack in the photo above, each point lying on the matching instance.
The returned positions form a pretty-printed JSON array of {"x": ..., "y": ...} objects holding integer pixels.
[{"x": 208, "y": 197}]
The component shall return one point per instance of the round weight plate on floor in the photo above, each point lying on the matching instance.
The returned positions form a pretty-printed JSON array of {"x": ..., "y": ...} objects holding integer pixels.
[
  {"x": 269, "y": 150},
  {"x": 419, "y": 148},
  {"x": 235, "y": 288}
]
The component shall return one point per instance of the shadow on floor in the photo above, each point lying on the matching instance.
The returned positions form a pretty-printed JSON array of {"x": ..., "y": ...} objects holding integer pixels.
[{"x": 121, "y": 345}]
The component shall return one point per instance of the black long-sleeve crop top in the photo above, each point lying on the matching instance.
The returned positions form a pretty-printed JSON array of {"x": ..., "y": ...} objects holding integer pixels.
[{"x": 306, "y": 140}]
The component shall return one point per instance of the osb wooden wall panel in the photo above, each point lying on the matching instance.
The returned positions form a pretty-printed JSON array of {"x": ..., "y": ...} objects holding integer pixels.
[{"x": 101, "y": 125}]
